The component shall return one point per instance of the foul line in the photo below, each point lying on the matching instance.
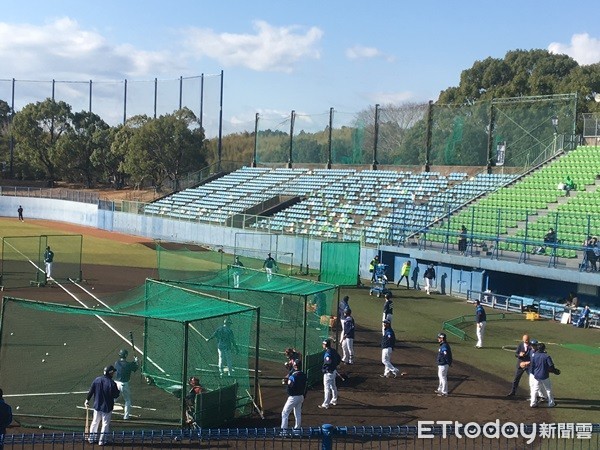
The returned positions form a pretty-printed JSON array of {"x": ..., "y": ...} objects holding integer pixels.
[
  {"x": 101, "y": 319},
  {"x": 41, "y": 394}
]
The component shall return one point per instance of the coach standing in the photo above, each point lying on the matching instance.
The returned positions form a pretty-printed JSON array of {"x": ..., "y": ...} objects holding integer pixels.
[
  {"x": 480, "y": 319},
  {"x": 48, "y": 260},
  {"x": 388, "y": 341},
  {"x": 104, "y": 390},
  {"x": 444, "y": 361},
  {"x": 348, "y": 327},
  {"x": 331, "y": 359},
  {"x": 523, "y": 355}
]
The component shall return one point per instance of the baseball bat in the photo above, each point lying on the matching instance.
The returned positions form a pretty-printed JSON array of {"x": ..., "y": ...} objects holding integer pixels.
[
  {"x": 260, "y": 413},
  {"x": 87, "y": 420},
  {"x": 131, "y": 340}
]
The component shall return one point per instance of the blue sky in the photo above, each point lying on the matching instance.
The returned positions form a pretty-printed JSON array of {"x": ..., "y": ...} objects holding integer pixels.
[{"x": 279, "y": 56}]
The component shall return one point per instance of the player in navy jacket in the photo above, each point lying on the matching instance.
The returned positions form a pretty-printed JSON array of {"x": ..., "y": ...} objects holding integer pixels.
[{"x": 444, "y": 361}]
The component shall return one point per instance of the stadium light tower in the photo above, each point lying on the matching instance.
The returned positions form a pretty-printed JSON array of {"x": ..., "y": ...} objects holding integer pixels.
[{"x": 555, "y": 126}]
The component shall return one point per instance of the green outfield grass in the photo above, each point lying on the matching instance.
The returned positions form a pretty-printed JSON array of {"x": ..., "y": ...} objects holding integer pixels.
[
  {"x": 417, "y": 319},
  {"x": 95, "y": 250}
]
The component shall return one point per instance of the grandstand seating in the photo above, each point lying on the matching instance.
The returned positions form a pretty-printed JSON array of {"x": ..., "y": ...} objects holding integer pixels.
[{"x": 377, "y": 206}]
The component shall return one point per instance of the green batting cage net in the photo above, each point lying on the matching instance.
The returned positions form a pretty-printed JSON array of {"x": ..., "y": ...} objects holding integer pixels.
[
  {"x": 23, "y": 259},
  {"x": 181, "y": 263},
  {"x": 524, "y": 125},
  {"x": 340, "y": 263},
  {"x": 52, "y": 352},
  {"x": 294, "y": 312}
]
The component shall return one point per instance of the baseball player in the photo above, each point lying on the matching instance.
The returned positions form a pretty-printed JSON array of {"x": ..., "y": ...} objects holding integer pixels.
[
  {"x": 444, "y": 361},
  {"x": 343, "y": 306},
  {"x": 523, "y": 354},
  {"x": 541, "y": 365},
  {"x": 48, "y": 261},
  {"x": 225, "y": 345},
  {"x": 270, "y": 266},
  {"x": 238, "y": 267},
  {"x": 388, "y": 309},
  {"x": 388, "y": 341},
  {"x": 331, "y": 359},
  {"x": 104, "y": 390},
  {"x": 292, "y": 355},
  {"x": 348, "y": 337},
  {"x": 404, "y": 273},
  {"x": 429, "y": 277},
  {"x": 296, "y": 390},
  {"x": 124, "y": 369},
  {"x": 480, "y": 319}
]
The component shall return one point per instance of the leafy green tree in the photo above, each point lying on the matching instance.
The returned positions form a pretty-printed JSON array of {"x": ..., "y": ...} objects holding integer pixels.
[
  {"x": 88, "y": 135},
  {"x": 4, "y": 137},
  {"x": 164, "y": 148},
  {"x": 38, "y": 129}
]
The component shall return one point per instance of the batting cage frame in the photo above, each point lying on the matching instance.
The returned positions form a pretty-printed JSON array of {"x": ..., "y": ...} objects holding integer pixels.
[
  {"x": 180, "y": 340},
  {"x": 23, "y": 259},
  {"x": 295, "y": 312}
]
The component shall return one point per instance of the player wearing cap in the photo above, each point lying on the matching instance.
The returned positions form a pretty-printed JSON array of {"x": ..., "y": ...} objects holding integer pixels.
[
  {"x": 331, "y": 359},
  {"x": 270, "y": 266},
  {"x": 444, "y": 361},
  {"x": 388, "y": 309},
  {"x": 481, "y": 320},
  {"x": 225, "y": 345},
  {"x": 296, "y": 390},
  {"x": 238, "y": 269},
  {"x": 124, "y": 369},
  {"x": 541, "y": 365},
  {"x": 292, "y": 355},
  {"x": 104, "y": 390},
  {"x": 388, "y": 341},
  {"x": 348, "y": 337},
  {"x": 429, "y": 277}
]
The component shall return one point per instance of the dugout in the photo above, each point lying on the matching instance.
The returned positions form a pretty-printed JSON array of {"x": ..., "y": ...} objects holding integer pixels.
[
  {"x": 294, "y": 312},
  {"x": 51, "y": 353}
]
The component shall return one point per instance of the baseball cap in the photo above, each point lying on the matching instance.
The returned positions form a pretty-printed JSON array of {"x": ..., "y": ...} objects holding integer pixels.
[
  {"x": 442, "y": 335},
  {"x": 533, "y": 342},
  {"x": 385, "y": 321}
]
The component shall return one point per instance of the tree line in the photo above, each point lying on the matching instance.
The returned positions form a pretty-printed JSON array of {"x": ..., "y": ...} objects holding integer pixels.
[{"x": 50, "y": 142}]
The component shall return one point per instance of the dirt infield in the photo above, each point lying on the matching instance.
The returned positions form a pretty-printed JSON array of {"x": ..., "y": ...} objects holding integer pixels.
[{"x": 365, "y": 398}]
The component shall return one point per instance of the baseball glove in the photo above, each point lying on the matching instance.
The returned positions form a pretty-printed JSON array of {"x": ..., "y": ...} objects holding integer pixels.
[{"x": 556, "y": 371}]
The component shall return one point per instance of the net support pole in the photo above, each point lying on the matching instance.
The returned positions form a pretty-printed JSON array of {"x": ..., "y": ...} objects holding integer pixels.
[
  {"x": 184, "y": 367},
  {"x": 256, "y": 357},
  {"x": 304, "y": 325}
]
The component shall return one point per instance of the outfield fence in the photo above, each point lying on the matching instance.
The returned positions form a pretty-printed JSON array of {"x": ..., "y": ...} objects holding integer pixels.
[{"x": 327, "y": 437}]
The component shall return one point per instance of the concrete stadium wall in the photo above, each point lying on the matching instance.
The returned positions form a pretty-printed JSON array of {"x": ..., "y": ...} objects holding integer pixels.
[{"x": 464, "y": 273}]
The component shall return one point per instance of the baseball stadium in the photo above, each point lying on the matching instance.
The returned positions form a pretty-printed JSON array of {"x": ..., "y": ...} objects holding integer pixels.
[{"x": 161, "y": 278}]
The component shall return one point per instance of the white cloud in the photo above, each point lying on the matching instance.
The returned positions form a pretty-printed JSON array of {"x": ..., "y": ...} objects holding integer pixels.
[
  {"x": 394, "y": 98},
  {"x": 362, "y": 52},
  {"x": 273, "y": 49},
  {"x": 582, "y": 48},
  {"x": 61, "y": 48}
]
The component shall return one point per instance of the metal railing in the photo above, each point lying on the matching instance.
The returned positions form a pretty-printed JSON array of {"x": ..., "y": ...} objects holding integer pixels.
[{"x": 426, "y": 434}]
